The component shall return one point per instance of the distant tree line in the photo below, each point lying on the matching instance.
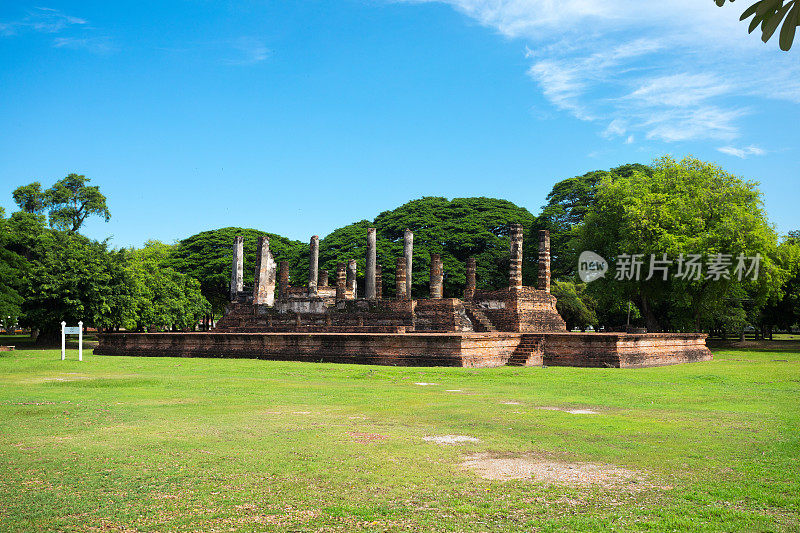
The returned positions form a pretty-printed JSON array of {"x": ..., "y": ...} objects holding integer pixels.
[{"x": 52, "y": 273}]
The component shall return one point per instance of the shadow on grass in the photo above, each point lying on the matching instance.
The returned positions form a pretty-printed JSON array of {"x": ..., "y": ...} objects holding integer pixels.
[{"x": 784, "y": 346}]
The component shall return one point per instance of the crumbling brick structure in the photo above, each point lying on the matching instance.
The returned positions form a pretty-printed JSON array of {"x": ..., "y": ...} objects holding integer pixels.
[
  {"x": 514, "y": 325},
  {"x": 515, "y": 309}
]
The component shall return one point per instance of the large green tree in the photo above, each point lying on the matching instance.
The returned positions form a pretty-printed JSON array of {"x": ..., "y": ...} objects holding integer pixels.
[
  {"x": 456, "y": 229},
  {"x": 686, "y": 207},
  {"x": 69, "y": 202},
  {"x": 30, "y": 198},
  {"x": 161, "y": 297},
  {"x": 68, "y": 278}
]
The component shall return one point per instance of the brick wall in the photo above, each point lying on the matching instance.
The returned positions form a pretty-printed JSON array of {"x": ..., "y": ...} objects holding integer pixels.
[
  {"x": 350, "y": 315},
  {"x": 433, "y": 349},
  {"x": 422, "y": 349},
  {"x": 624, "y": 350},
  {"x": 525, "y": 310}
]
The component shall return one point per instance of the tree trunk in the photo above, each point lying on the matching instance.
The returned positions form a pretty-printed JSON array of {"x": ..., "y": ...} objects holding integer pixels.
[{"x": 651, "y": 322}]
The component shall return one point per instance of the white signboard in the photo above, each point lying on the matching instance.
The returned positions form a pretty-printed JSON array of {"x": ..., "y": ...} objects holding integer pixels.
[{"x": 72, "y": 331}]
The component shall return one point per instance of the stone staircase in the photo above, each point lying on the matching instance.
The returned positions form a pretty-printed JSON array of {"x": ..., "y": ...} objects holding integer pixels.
[
  {"x": 480, "y": 322},
  {"x": 528, "y": 352}
]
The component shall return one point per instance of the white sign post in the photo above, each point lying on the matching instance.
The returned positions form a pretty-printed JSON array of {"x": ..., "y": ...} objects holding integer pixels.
[{"x": 72, "y": 331}]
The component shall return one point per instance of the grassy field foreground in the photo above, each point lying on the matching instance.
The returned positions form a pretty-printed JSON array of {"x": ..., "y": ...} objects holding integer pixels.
[{"x": 148, "y": 444}]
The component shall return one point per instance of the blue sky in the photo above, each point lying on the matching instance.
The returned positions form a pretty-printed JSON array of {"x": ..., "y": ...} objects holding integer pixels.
[{"x": 300, "y": 117}]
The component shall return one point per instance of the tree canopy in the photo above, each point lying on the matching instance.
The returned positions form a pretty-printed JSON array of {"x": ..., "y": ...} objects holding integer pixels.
[
  {"x": 69, "y": 202},
  {"x": 567, "y": 205},
  {"x": 162, "y": 297},
  {"x": 11, "y": 265},
  {"x": 783, "y": 310},
  {"x": 574, "y": 305},
  {"x": 50, "y": 275},
  {"x": 456, "y": 229},
  {"x": 686, "y": 207}
]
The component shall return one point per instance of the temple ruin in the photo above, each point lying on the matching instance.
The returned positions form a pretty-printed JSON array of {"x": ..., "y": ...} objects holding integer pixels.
[{"x": 516, "y": 325}]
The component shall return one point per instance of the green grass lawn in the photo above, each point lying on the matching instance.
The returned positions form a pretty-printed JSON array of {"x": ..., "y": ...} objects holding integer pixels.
[{"x": 157, "y": 444}]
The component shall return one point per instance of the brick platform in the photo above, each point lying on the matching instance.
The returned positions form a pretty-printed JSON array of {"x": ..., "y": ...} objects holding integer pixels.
[
  {"x": 622, "y": 350},
  {"x": 486, "y": 349}
]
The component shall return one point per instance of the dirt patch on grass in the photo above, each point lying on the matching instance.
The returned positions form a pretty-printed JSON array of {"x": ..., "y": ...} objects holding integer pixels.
[
  {"x": 504, "y": 468},
  {"x": 571, "y": 411},
  {"x": 450, "y": 439}
]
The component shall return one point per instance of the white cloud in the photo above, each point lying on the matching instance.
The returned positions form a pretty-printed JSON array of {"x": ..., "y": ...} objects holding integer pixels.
[
  {"x": 681, "y": 107},
  {"x": 742, "y": 153},
  {"x": 516, "y": 18},
  {"x": 73, "y": 32},
  {"x": 671, "y": 71},
  {"x": 705, "y": 122},
  {"x": 562, "y": 85},
  {"x": 41, "y": 19},
  {"x": 679, "y": 90},
  {"x": 616, "y": 128},
  {"x": 97, "y": 45},
  {"x": 248, "y": 51}
]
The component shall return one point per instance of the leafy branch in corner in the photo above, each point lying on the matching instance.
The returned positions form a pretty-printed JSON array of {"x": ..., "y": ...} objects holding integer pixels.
[{"x": 769, "y": 14}]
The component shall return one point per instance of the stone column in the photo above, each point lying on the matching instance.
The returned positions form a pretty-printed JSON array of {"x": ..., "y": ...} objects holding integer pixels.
[
  {"x": 408, "y": 252},
  {"x": 369, "y": 285},
  {"x": 515, "y": 266},
  {"x": 283, "y": 280},
  {"x": 437, "y": 276},
  {"x": 313, "y": 265},
  {"x": 341, "y": 282},
  {"x": 400, "y": 279},
  {"x": 544, "y": 260},
  {"x": 469, "y": 290},
  {"x": 264, "y": 287},
  {"x": 237, "y": 267},
  {"x": 323, "y": 278},
  {"x": 378, "y": 282},
  {"x": 352, "y": 271}
]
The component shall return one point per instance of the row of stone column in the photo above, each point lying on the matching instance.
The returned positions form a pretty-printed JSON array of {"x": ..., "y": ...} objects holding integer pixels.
[
  {"x": 346, "y": 276},
  {"x": 264, "y": 288}
]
